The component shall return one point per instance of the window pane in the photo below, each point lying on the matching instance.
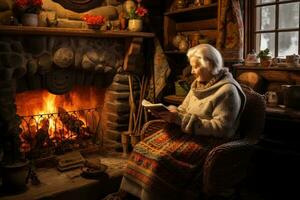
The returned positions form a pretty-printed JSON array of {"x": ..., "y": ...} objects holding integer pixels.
[
  {"x": 289, "y": 15},
  {"x": 288, "y": 43},
  {"x": 264, "y": 1},
  {"x": 265, "y": 40},
  {"x": 265, "y": 18}
]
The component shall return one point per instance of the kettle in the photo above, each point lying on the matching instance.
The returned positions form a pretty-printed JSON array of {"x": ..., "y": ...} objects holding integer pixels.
[{"x": 251, "y": 57}]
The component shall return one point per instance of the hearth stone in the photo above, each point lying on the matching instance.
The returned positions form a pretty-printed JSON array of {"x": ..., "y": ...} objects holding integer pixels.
[{"x": 57, "y": 185}]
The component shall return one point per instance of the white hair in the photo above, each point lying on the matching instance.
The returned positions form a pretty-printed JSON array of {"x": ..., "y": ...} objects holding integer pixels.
[{"x": 210, "y": 53}]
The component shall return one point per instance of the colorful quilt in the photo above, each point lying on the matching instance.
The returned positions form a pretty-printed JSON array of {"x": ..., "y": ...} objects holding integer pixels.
[{"x": 168, "y": 161}]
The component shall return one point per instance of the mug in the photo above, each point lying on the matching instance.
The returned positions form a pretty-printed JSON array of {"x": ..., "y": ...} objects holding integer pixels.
[
  {"x": 292, "y": 60},
  {"x": 271, "y": 98}
]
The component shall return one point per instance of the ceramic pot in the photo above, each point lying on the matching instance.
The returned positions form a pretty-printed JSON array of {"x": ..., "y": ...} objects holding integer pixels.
[
  {"x": 30, "y": 19},
  {"x": 271, "y": 98},
  {"x": 194, "y": 39},
  {"x": 135, "y": 25},
  {"x": 180, "y": 4},
  {"x": 177, "y": 39},
  {"x": 207, "y": 2},
  {"x": 266, "y": 61},
  {"x": 14, "y": 177},
  {"x": 183, "y": 45},
  {"x": 94, "y": 26}
]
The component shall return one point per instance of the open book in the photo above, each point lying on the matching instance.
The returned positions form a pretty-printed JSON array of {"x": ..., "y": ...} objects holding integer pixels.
[{"x": 157, "y": 107}]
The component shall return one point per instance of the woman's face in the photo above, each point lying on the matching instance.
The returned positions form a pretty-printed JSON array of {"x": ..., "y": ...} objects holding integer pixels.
[{"x": 201, "y": 68}]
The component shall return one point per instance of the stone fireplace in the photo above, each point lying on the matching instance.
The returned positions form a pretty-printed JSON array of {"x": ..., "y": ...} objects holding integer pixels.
[{"x": 62, "y": 85}]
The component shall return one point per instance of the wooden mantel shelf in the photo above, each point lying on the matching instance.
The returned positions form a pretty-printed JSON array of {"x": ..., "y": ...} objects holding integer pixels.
[{"x": 30, "y": 30}]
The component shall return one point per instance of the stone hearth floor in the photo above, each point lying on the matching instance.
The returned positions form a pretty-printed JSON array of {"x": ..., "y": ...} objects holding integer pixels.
[{"x": 58, "y": 185}]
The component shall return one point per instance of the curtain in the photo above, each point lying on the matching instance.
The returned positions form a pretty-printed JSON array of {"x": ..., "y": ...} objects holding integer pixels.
[
  {"x": 161, "y": 72},
  {"x": 231, "y": 36}
]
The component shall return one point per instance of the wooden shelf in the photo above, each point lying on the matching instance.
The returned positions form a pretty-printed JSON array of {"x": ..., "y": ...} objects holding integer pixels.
[
  {"x": 274, "y": 68},
  {"x": 30, "y": 30},
  {"x": 283, "y": 113},
  {"x": 203, "y": 12},
  {"x": 191, "y": 10},
  {"x": 175, "y": 52}
]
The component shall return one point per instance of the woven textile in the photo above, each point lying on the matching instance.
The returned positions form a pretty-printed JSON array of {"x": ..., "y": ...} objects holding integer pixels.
[{"x": 168, "y": 161}]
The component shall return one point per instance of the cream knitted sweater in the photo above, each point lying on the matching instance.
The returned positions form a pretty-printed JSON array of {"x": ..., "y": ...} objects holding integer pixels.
[{"x": 213, "y": 111}]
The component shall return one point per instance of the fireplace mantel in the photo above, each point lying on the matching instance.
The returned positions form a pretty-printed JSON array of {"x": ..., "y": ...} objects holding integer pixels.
[{"x": 30, "y": 30}]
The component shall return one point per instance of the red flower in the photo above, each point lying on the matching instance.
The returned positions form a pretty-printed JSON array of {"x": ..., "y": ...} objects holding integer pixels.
[
  {"x": 37, "y": 2},
  {"x": 22, "y": 3},
  {"x": 93, "y": 19},
  {"x": 141, "y": 11},
  {"x": 28, "y": 6},
  {"x": 137, "y": 13}
]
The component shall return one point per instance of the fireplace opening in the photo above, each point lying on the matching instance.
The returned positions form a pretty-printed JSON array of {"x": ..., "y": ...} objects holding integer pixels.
[{"x": 54, "y": 124}]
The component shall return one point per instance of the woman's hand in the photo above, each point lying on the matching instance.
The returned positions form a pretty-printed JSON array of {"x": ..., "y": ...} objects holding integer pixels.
[{"x": 169, "y": 116}]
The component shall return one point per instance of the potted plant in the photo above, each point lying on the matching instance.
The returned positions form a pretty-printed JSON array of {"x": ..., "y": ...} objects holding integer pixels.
[
  {"x": 265, "y": 58},
  {"x": 27, "y": 11},
  {"x": 14, "y": 166},
  {"x": 135, "y": 18}
]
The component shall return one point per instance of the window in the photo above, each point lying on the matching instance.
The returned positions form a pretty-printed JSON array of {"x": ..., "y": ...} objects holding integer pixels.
[{"x": 275, "y": 25}]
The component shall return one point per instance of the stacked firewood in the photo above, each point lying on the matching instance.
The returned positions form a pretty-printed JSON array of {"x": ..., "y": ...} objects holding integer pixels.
[{"x": 73, "y": 123}]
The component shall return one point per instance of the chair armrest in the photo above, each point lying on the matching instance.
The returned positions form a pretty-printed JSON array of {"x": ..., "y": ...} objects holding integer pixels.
[
  {"x": 152, "y": 127},
  {"x": 226, "y": 165}
]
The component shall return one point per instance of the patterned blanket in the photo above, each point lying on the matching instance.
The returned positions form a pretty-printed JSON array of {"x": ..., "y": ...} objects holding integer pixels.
[{"x": 168, "y": 161}]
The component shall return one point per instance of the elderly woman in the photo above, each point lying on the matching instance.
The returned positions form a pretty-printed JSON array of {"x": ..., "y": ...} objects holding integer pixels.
[{"x": 168, "y": 164}]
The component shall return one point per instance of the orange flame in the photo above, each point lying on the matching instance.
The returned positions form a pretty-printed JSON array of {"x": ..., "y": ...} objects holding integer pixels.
[{"x": 42, "y": 102}]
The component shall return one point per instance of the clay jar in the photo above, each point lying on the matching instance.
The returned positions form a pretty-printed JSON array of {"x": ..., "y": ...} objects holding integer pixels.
[
  {"x": 207, "y": 2},
  {"x": 176, "y": 40},
  {"x": 179, "y": 4},
  {"x": 30, "y": 19},
  {"x": 266, "y": 61},
  {"x": 198, "y": 2},
  {"x": 271, "y": 98},
  {"x": 183, "y": 45},
  {"x": 194, "y": 39}
]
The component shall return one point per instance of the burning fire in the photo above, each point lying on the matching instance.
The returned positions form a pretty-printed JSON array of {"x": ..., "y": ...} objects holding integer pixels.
[{"x": 53, "y": 118}]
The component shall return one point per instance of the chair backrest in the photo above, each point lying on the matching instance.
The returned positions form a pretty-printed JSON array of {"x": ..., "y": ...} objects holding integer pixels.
[{"x": 253, "y": 117}]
